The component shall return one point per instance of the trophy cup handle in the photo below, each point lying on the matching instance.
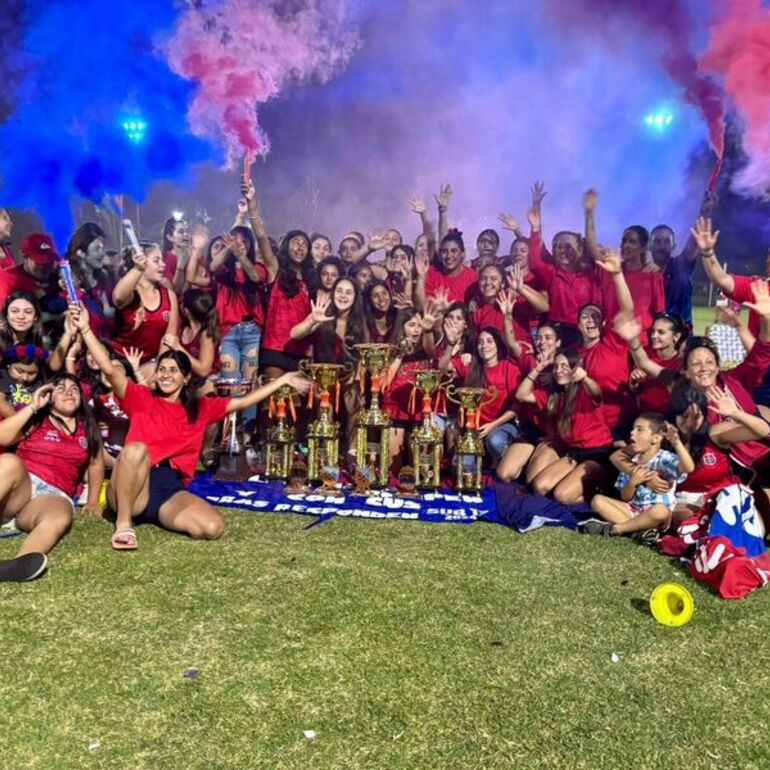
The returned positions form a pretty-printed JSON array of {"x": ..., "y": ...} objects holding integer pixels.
[{"x": 450, "y": 391}]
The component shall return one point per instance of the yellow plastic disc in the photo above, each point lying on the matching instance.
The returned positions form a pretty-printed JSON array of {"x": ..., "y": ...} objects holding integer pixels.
[
  {"x": 103, "y": 494},
  {"x": 672, "y": 604}
]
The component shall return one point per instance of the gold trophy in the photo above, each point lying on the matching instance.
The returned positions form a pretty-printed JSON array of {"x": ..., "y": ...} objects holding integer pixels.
[
  {"x": 323, "y": 433},
  {"x": 427, "y": 440},
  {"x": 470, "y": 446},
  {"x": 231, "y": 464},
  {"x": 279, "y": 444},
  {"x": 372, "y": 424}
]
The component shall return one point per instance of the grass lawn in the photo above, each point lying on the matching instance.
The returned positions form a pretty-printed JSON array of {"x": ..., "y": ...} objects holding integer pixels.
[{"x": 403, "y": 645}]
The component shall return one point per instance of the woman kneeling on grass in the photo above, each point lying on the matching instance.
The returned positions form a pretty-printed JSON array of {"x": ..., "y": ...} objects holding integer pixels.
[
  {"x": 57, "y": 440},
  {"x": 164, "y": 443}
]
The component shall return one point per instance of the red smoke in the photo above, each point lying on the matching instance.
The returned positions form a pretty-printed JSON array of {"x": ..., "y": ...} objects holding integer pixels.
[
  {"x": 244, "y": 52},
  {"x": 739, "y": 51}
]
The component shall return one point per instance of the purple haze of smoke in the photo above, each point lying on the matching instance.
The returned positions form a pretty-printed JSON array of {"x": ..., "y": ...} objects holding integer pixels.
[
  {"x": 489, "y": 98},
  {"x": 93, "y": 66},
  {"x": 667, "y": 25}
]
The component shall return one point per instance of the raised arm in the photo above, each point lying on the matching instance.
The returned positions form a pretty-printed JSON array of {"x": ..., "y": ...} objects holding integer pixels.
[
  {"x": 743, "y": 426},
  {"x": 12, "y": 428},
  {"x": 629, "y": 329},
  {"x": 315, "y": 318},
  {"x": 506, "y": 301},
  {"x": 115, "y": 374},
  {"x": 249, "y": 192},
  {"x": 590, "y": 199},
  {"x": 123, "y": 293},
  {"x": 194, "y": 274},
  {"x": 525, "y": 393},
  {"x": 417, "y": 206},
  {"x": 443, "y": 198},
  {"x": 686, "y": 463},
  {"x": 295, "y": 379},
  {"x": 609, "y": 261},
  {"x": 706, "y": 240}
]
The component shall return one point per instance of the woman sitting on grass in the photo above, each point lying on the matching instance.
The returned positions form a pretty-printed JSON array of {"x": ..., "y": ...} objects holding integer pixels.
[
  {"x": 57, "y": 442},
  {"x": 164, "y": 443}
]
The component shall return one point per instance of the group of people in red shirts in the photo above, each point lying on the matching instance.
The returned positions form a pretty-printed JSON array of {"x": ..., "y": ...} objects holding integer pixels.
[{"x": 586, "y": 354}]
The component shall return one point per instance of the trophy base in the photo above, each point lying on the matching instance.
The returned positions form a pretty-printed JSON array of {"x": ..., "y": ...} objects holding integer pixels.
[{"x": 233, "y": 468}]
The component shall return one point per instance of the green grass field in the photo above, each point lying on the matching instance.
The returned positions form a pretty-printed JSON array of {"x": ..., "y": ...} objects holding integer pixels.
[{"x": 402, "y": 645}]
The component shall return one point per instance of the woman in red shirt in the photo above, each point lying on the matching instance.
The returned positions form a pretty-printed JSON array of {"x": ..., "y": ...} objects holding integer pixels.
[
  {"x": 490, "y": 368},
  {"x": 57, "y": 443},
  {"x": 289, "y": 304},
  {"x": 576, "y": 462},
  {"x": 164, "y": 443},
  {"x": 665, "y": 350},
  {"x": 146, "y": 309},
  {"x": 240, "y": 303},
  {"x": 646, "y": 286}
]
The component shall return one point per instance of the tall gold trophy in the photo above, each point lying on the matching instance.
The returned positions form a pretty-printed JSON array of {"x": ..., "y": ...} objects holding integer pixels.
[
  {"x": 279, "y": 442},
  {"x": 427, "y": 440},
  {"x": 323, "y": 433},
  {"x": 372, "y": 424},
  {"x": 470, "y": 446},
  {"x": 231, "y": 463}
]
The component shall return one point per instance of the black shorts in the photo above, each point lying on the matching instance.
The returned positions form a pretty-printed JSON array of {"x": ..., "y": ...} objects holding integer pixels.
[
  {"x": 278, "y": 359},
  {"x": 165, "y": 482},
  {"x": 599, "y": 455}
]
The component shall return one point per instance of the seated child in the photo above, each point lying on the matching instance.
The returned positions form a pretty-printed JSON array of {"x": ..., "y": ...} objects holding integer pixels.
[
  {"x": 640, "y": 508},
  {"x": 21, "y": 375}
]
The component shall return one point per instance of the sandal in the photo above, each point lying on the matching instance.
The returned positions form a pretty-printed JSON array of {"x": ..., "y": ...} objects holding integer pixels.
[{"x": 124, "y": 540}]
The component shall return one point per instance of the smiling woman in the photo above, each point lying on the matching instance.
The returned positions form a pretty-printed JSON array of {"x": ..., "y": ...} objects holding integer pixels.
[
  {"x": 164, "y": 442},
  {"x": 56, "y": 440}
]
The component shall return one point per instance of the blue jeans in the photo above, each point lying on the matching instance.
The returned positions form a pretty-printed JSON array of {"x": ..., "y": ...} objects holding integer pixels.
[
  {"x": 500, "y": 439},
  {"x": 241, "y": 344}
]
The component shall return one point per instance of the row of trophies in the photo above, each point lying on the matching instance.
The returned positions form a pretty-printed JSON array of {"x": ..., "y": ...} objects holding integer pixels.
[{"x": 372, "y": 445}]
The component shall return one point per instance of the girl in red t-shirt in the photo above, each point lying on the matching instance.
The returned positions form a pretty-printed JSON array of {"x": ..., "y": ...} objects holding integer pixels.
[
  {"x": 240, "y": 303},
  {"x": 22, "y": 324},
  {"x": 57, "y": 444},
  {"x": 666, "y": 337},
  {"x": 164, "y": 443},
  {"x": 573, "y": 465},
  {"x": 146, "y": 309},
  {"x": 288, "y": 305},
  {"x": 490, "y": 368}
]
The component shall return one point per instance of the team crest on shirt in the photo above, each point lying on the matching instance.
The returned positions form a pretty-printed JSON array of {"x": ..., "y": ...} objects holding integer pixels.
[
  {"x": 83, "y": 441},
  {"x": 166, "y": 315},
  {"x": 709, "y": 458}
]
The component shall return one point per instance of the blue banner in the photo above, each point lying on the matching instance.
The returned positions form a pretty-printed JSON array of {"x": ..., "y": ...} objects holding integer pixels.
[{"x": 271, "y": 497}]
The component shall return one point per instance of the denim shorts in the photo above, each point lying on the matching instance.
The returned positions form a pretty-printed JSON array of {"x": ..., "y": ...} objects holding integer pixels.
[
  {"x": 237, "y": 342},
  {"x": 40, "y": 487}
]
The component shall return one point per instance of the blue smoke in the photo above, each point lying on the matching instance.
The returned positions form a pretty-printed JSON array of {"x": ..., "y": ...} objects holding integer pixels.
[{"x": 86, "y": 68}]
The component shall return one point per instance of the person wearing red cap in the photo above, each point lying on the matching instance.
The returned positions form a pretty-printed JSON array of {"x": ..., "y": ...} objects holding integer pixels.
[{"x": 36, "y": 274}]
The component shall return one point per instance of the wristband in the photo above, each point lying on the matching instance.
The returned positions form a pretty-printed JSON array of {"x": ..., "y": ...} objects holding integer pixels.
[
  {"x": 709, "y": 254},
  {"x": 633, "y": 350}
]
